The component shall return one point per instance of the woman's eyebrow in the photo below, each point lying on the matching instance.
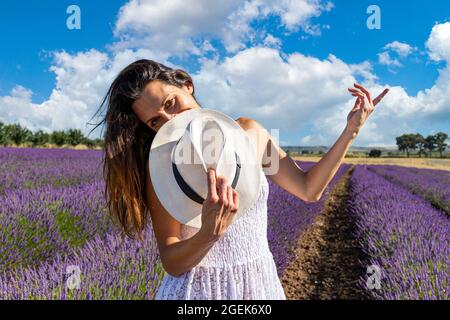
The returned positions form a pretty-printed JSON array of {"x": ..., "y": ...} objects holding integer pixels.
[{"x": 162, "y": 104}]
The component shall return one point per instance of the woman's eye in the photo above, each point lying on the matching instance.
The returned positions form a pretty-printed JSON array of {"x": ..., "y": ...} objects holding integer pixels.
[
  {"x": 154, "y": 122},
  {"x": 171, "y": 103}
]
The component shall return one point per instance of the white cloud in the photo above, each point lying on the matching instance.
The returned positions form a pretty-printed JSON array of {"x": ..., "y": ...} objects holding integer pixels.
[
  {"x": 271, "y": 41},
  {"x": 438, "y": 43},
  {"x": 170, "y": 26},
  {"x": 175, "y": 26},
  {"x": 385, "y": 59},
  {"x": 399, "y": 49},
  {"x": 402, "y": 49},
  {"x": 364, "y": 69},
  {"x": 295, "y": 14}
]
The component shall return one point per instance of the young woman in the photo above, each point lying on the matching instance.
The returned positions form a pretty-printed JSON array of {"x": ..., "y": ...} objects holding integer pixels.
[{"x": 221, "y": 260}]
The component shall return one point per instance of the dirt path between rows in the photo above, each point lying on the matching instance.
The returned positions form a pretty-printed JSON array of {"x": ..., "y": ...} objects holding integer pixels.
[{"x": 329, "y": 261}]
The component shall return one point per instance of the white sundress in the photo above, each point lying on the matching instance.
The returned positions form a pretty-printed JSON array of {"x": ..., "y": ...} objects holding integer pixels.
[{"x": 239, "y": 266}]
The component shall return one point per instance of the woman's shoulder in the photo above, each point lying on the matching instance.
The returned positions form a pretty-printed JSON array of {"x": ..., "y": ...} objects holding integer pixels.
[
  {"x": 258, "y": 135},
  {"x": 246, "y": 123},
  {"x": 249, "y": 124}
]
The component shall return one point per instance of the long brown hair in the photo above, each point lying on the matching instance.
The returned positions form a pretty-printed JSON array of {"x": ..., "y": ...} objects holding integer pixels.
[{"x": 127, "y": 142}]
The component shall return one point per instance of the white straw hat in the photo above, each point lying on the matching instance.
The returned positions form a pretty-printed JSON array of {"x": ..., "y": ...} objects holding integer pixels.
[{"x": 181, "y": 153}]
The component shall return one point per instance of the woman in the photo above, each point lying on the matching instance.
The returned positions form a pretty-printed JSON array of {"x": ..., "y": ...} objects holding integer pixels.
[{"x": 221, "y": 260}]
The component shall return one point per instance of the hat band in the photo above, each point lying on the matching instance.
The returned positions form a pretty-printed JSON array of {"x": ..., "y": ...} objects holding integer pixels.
[{"x": 188, "y": 191}]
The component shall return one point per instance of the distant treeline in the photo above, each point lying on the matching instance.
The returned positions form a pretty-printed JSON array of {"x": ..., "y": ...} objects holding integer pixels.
[
  {"x": 16, "y": 134},
  {"x": 407, "y": 144},
  {"x": 426, "y": 146}
]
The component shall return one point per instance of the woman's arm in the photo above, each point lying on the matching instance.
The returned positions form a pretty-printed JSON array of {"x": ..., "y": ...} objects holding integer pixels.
[
  {"x": 309, "y": 186},
  {"x": 323, "y": 171},
  {"x": 318, "y": 177},
  {"x": 177, "y": 256}
]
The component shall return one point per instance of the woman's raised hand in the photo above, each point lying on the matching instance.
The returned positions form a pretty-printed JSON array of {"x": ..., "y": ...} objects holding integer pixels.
[
  {"x": 219, "y": 207},
  {"x": 364, "y": 106}
]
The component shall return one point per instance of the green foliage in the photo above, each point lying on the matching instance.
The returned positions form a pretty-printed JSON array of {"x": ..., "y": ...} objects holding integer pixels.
[
  {"x": 69, "y": 228},
  {"x": 14, "y": 133},
  {"x": 58, "y": 137},
  {"x": 74, "y": 137},
  {"x": 40, "y": 138},
  {"x": 3, "y": 140},
  {"x": 375, "y": 153},
  {"x": 411, "y": 142},
  {"x": 18, "y": 135}
]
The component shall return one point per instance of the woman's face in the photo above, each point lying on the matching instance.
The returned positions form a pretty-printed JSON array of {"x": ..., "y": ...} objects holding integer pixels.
[{"x": 160, "y": 102}]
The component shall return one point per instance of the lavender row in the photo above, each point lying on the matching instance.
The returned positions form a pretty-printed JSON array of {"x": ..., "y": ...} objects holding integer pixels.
[
  {"x": 36, "y": 224},
  {"x": 403, "y": 235},
  {"x": 288, "y": 217},
  {"x": 433, "y": 185},
  {"x": 27, "y": 168},
  {"x": 105, "y": 268}
]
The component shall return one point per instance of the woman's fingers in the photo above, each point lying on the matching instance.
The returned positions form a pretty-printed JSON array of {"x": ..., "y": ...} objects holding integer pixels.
[
  {"x": 230, "y": 199},
  {"x": 358, "y": 94},
  {"x": 356, "y": 91},
  {"x": 236, "y": 199},
  {"x": 223, "y": 192},
  {"x": 358, "y": 103},
  {"x": 212, "y": 179},
  {"x": 361, "y": 98},
  {"x": 380, "y": 96},
  {"x": 364, "y": 90}
]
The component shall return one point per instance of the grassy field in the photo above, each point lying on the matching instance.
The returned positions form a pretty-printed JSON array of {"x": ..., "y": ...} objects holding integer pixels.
[{"x": 430, "y": 163}]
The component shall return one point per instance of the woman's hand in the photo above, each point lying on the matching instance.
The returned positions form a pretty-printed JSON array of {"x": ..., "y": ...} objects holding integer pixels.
[
  {"x": 219, "y": 207},
  {"x": 364, "y": 106}
]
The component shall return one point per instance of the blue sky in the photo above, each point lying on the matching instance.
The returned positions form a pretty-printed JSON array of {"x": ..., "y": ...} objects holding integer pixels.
[{"x": 36, "y": 42}]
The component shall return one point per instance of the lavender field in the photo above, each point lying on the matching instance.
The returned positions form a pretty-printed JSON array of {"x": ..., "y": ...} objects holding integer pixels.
[
  {"x": 53, "y": 219},
  {"x": 404, "y": 235},
  {"x": 433, "y": 185}
]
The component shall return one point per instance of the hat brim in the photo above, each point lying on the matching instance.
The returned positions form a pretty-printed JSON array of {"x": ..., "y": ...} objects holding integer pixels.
[{"x": 173, "y": 199}]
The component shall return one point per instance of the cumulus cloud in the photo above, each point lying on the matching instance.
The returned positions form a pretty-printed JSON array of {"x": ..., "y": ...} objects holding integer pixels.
[
  {"x": 82, "y": 80},
  {"x": 399, "y": 49},
  {"x": 402, "y": 49},
  {"x": 178, "y": 26},
  {"x": 438, "y": 43},
  {"x": 271, "y": 41},
  {"x": 385, "y": 59}
]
